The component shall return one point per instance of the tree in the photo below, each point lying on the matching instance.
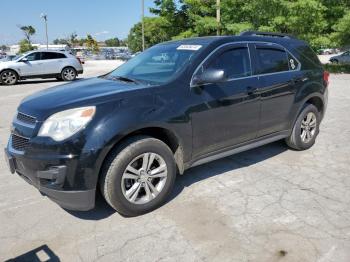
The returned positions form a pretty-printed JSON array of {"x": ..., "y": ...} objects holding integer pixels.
[
  {"x": 28, "y": 31},
  {"x": 342, "y": 30},
  {"x": 322, "y": 23},
  {"x": 91, "y": 44},
  {"x": 156, "y": 31},
  {"x": 113, "y": 42},
  {"x": 25, "y": 46},
  {"x": 4, "y": 48}
]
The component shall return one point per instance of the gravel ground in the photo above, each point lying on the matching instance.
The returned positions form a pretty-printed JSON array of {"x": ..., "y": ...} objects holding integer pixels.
[{"x": 267, "y": 204}]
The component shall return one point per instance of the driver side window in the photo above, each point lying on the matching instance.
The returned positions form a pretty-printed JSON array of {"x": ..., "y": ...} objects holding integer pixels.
[
  {"x": 235, "y": 63},
  {"x": 33, "y": 56}
]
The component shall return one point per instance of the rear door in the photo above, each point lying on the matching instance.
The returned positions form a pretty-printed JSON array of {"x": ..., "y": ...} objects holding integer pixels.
[
  {"x": 52, "y": 62},
  {"x": 279, "y": 77}
]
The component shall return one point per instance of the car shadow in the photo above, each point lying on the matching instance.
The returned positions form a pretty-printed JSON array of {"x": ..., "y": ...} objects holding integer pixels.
[
  {"x": 196, "y": 174},
  {"x": 41, "y": 81},
  {"x": 37, "y": 255},
  {"x": 26, "y": 82}
]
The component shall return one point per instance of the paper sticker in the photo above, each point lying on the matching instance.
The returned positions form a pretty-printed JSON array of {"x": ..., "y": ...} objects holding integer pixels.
[
  {"x": 189, "y": 47},
  {"x": 292, "y": 63}
]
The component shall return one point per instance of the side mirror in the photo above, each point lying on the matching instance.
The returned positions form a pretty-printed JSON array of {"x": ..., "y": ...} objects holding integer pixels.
[
  {"x": 24, "y": 59},
  {"x": 210, "y": 76}
]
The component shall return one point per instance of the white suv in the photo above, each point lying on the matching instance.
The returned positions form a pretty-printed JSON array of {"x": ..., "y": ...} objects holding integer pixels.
[{"x": 40, "y": 64}]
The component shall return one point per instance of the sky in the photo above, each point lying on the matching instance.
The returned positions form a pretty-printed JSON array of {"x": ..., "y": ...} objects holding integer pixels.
[{"x": 102, "y": 19}]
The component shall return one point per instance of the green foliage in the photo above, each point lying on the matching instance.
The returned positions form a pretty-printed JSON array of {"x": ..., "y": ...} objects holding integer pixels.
[
  {"x": 156, "y": 31},
  {"x": 337, "y": 68},
  {"x": 28, "y": 31},
  {"x": 91, "y": 44},
  {"x": 4, "y": 48},
  {"x": 323, "y": 23},
  {"x": 113, "y": 42},
  {"x": 25, "y": 46},
  {"x": 342, "y": 30}
]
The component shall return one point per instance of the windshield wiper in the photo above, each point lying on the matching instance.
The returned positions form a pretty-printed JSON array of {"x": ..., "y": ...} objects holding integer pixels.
[{"x": 124, "y": 79}]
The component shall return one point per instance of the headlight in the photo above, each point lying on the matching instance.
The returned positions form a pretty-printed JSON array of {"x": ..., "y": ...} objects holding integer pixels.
[{"x": 64, "y": 124}]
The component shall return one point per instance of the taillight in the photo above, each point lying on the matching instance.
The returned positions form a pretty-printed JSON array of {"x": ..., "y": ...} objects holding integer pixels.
[{"x": 326, "y": 77}]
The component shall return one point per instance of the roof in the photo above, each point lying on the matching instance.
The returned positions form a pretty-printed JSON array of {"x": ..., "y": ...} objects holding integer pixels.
[{"x": 273, "y": 38}]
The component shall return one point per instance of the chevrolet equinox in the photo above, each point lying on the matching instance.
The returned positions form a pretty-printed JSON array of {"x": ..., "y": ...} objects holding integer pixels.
[{"x": 129, "y": 132}]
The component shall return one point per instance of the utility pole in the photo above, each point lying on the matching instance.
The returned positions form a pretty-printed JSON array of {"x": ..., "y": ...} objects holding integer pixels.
[
  {"x": 44, "y": 16},
  {"x": 218, "y": 17},
  {"x": 143, "y": 25}
]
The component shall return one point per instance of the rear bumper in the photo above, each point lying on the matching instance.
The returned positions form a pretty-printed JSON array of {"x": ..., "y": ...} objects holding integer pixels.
[
  {"x": 50, "y": 180},
  {"x": 80, "y": 71}
]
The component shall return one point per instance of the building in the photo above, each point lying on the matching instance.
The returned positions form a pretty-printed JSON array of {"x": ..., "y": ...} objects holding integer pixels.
[{"x": 14, "y": 49}]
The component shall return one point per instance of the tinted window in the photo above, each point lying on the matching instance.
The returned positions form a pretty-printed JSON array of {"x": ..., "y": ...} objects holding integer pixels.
[
  {"x": 272, "y": 60},
  {"x": 234, "y": 62},
  {"x": 293, "y": 63},
  {"x": 51, "y": 55},
  {"x": 33, "y": 56}
]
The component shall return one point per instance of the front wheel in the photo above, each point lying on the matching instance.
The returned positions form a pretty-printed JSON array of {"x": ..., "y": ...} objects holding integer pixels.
[
  {"x": 306, "y": 129},
  {"x": 139, "y": 176},
  {"x": 68, "y": 74},
  {"x": 8, "y": 77}
]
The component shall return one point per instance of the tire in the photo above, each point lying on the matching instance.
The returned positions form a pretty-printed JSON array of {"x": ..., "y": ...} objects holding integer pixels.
[
  {"x": 68, "y": 74},
  {"x": 304, "y": 131},
  {"x": 8, "y": 77},
  {"x": 335, "y": 61},
  {"x": 117, "y": 186}
]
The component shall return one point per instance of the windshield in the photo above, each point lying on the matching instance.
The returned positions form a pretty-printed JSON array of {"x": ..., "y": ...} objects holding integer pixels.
[{"x": 156, "y": 65}]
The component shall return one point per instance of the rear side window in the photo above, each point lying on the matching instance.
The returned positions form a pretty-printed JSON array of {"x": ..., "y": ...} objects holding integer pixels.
[
  {"x": 234, "y": 62},
  {"x": 272, "y": 60},
  {"x": 52, "y": 55}
]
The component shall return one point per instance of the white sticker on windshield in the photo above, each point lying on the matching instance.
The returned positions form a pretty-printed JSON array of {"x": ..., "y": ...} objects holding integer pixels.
[{"x": 189, "y": 47}]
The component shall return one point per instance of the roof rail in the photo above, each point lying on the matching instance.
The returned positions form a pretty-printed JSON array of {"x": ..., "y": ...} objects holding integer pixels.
[{"x": 271, "y": 34}]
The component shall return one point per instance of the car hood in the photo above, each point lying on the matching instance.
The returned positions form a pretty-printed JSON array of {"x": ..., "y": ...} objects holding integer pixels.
[
  {"x": 85, "y": 92},
  {"x": 7, "y": 64}
]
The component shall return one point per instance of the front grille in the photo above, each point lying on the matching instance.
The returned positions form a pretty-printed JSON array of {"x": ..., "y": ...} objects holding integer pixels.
[
  {"x": 19, "y": 143},
  {"x": 26, "y": 118}
]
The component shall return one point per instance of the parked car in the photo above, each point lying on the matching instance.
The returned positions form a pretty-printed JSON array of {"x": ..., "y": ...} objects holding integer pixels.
[
  {"x": 40, "y": 64},
  {"x": 130, "y": 132},
  {"x": 8, "y": 58},
  {"x": 343, "y": 58},
  {"x": 328, "y": 51}
]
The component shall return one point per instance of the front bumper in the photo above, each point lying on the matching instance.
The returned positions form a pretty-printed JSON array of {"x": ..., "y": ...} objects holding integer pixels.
[{"x": 49, "y": 176}]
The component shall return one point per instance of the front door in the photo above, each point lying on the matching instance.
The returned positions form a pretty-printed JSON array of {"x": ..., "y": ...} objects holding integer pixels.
[
  {"x": 226, "y": 114},
  {"x": 32, "y": 66}
]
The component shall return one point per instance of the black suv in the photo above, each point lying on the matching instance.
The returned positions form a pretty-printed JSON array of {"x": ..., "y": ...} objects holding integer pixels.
[{"x": 177, "y": 105}]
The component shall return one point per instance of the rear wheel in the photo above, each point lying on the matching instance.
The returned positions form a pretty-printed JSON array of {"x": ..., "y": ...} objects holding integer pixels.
[
  {"x": 139, "y": 176},
  {"x": 305, "y": 129},
  {"x": 8, "y": 77},
  {"x": 68, "y": 74}
]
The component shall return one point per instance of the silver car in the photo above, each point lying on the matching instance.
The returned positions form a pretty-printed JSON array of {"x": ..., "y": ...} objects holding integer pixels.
[
  {"x": 344, "y": 58},
  {"x": 40, "y": 64}
]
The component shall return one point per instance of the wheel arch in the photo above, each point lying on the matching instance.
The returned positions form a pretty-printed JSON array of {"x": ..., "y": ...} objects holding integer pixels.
[
  {"x": 11, "y": 69},
  {"x": 165, "y": 135}
]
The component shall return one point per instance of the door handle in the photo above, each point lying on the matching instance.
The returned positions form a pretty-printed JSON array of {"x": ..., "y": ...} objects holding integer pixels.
[{"x": 251, "y": 90}]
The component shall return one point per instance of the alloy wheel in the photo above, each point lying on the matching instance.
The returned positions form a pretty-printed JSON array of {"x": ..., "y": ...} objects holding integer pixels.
[
  {"x": 69, "y": 74},
  {"x": 144, "y": 178},
  {"x": 308, "y": 127},
  {"x": 8, "y": 78}
]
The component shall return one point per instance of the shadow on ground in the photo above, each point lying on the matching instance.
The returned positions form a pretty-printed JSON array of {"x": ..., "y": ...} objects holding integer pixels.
[
  {"x": 196, "y": 174},
  {"x": 42, "y": 253}
]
